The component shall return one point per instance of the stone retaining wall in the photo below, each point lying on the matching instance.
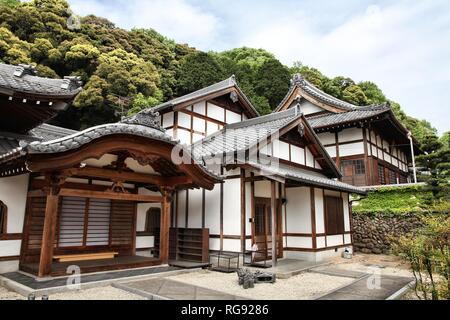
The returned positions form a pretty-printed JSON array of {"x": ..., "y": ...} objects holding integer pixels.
[{"x": 372, "y": 233}]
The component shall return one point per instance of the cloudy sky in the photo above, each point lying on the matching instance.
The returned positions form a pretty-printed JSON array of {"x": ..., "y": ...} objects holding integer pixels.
[{"x": 403, "y": 46}]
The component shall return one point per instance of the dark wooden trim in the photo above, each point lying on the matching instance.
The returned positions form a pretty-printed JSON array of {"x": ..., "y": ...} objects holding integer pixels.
[
  {"x": 338, "y": 161},
  {"x": 324, "y": 217},
  {"x": 206, "y": 118},
  {"x": 273, "y": 207},
  {"x": 313, "y": 217},
  {"x": 9, "y": 258},
  {"x": 11, "y": 236},
  {"x": 344, "y": 142},
  {"x": 144, "y": 249},
  {"x": 229, "y": 236},
  {"x": 109, "y": 195},
  {"x": 316, "y": 250},
  {"x": 302, "y": 166},
  {"x": 221, "y": 216},
  {"x": 297, "y": 234}
]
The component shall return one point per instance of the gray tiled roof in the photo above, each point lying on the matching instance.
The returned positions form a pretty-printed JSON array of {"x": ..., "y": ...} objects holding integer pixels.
[
  {"x": 299, "y": 81},
  {"x": 241, "y": 135},
  {"x": 349, "y": 116},
  {"x": 224, "y": 84},
  {"x": 47, "y": 132},
  {"x": 306, "y": 177},
  {"x": 10, "y": 141},
  {"x": 23, "y": 78}
]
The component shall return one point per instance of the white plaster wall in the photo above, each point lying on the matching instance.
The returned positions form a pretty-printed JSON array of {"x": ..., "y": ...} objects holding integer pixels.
[
  {"x": 13, "y": 193},
  {"x": 262, "y": 189},
  {"x": 232, "y": 245},
  {"x": 103, "y": 161},
  {"x": 181, "y": 209},
  {"x": 195, "y": 208},
  {"x": 184, "y": 136},
  {"x": 184, "y": 120},
  {"x": 327, "y": 137},
  {"x": 320, "y": 242},
  {"x": 299, "y": 242},
  {"x": 216, "y": 112},
  {"x": 309, "y": 158},
  {"x": 281, "y": 149},
  {"x": 10, "y": 248},
  {"x": 233, "y": 117},
  {"x": 167, "y": 119},
  {"x": 297, "y": 155},
  {"x": 350, "y": 134},
  {"x": 196, "y": 137},
  {"x": 199, "y": 107},
  {"x": 199, "y": 124},
  {"x": 334, "y": 240},
  {"x": 346, "y": 212},
  {"x": 212, "y": 210},
  {"x": 347, "y": 238},
  {"x": 145, "y": 242},
  {"x": 232, "y": 207},
  {"x": 248, "y": 209},
  {"x": 307, "y": 107},
  {"x": 318, "y": 200},
  {"x": 351, "y": 149},
  {"x": 211, "y": 127},
  {"x": 143, "y": 207},
  {"x": 331, "y": 151},
  {"x": 214, "y": 243},
  {"x": 298, "y": 210}
]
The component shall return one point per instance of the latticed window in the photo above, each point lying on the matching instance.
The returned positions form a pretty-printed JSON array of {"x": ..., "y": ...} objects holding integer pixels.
[
  {"x": 351, "y": 167},
  {"x": 3, "y": 212},
  {"x": 153, "y": 221},
  {"x": 392, "y": 177},
  {"x": 381, "y": 179}
]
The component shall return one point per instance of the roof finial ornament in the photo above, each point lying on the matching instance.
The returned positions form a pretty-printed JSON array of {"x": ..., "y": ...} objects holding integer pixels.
[
  {"x": 23, "y": 69},
  {"x": 72, "y": 82},
  {"x": 147, "y": 117},
  {"x": 234, "y": 97},
  {"x": 301, "y": 129}
]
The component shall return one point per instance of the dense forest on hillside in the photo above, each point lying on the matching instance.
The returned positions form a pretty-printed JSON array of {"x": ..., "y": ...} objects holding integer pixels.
[{"x": 124, "y": 71}]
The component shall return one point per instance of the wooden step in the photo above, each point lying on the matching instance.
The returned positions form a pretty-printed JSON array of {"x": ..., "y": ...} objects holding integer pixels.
[{"x": 85, "y": 256}]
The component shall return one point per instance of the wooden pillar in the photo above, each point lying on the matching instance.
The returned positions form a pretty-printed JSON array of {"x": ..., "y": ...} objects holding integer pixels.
[
  {"x": 48, "y": 235},
  {"x": 313, "y": 218},
  {"x": 165, "y": 226},
  {"x": 273, "y": 207}
]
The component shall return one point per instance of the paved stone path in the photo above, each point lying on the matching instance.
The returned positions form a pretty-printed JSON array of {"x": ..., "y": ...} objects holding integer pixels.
[
  {"x": 165, "y": 289},
  {"x": 359, "y": 290},
  {"x": 338, "y": 272},
  {"x": 32, "y": 283}
]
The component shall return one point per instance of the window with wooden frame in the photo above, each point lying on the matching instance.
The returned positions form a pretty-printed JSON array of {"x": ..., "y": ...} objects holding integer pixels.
[
  {"x": 152, "y": 221},
  {"x": 3, "y": 215},
  {"x": 334, "y": 215},
  {"x": 392, "y": 177},
  {"x": 381, "y": 179}
]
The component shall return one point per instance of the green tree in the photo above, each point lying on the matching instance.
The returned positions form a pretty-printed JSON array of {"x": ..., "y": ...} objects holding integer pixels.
[
  {"x": 354, "y": 95},
  {"x": 373, "y": 94},
  {"x": 198, "y": 70},
  {"x": 273, "y": 81}
]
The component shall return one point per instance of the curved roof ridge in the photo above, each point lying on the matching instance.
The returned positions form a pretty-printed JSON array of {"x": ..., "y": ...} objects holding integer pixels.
[{"x": 299, "y": 81}]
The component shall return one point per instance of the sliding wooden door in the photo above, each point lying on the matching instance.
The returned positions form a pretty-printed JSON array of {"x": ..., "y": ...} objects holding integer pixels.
[{"x": 263, "y": 229}]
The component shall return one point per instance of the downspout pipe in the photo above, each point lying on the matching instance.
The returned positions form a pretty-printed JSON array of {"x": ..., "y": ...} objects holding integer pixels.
[{"x": 412, "y": 156}]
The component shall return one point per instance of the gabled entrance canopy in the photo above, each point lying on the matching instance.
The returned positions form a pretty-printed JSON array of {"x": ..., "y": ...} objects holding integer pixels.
[{"x": 141, "y": 156}]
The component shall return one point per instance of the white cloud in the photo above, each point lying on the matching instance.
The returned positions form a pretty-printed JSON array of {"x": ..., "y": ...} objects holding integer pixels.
[
  {"x": 176, "y": 19},
  {"x": 404, "y": 48}
]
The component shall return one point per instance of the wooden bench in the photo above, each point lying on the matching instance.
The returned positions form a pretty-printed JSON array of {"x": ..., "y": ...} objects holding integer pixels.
[{"x": 85, "y": 256}]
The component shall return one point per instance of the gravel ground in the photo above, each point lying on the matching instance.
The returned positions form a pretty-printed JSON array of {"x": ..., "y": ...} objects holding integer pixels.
[
  {"x": 301, "y": 287},
  {"x": 99, "y": 293},
  {"x": 389, "y": 265}
]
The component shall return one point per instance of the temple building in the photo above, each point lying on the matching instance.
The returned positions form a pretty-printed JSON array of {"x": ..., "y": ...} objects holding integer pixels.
[
  {"x": 198, "y": 174},
  {"x": 369, "y": 145}
]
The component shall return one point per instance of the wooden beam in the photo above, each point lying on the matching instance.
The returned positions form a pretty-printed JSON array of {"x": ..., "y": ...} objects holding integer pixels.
[
  {"x": 273, "y": 203},
  {"x": 110, "y": 195},
  {"x": 313, "y": 218},
  {"x": 48, "y": 235},
  {"x": 102, "y": 173}
]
